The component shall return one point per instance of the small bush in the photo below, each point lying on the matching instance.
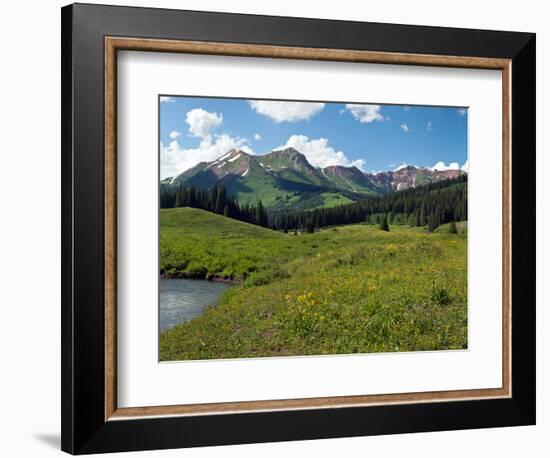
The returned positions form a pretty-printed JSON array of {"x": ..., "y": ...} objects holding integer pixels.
[{"x": 440, "y": 296}]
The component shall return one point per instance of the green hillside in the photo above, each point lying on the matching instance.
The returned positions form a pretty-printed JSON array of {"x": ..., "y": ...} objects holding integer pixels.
[
  {"x": 346, "y": 289},
  {"x": 197, "y": 243},
  {"x": 284, "y": 180},
  {"x": 351, "y": 179}
]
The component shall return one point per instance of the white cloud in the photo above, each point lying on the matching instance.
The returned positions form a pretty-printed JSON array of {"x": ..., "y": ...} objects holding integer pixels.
[
  {"x": 462, "y": 112},
  {"x": 281, "y": 111},
  {"x": 405, "y": 128},
  {"x": 365, "y": 113},
  {"x": 174, "y": 159},
  {"x": 166, "y": 99},
  {"x": 202, "y": 122},
  {"x": 429, "y": 127},
  {"x": 465, "y": 167},
  {"x": 442, "y": 166},
  {"x": 359, "y": 163},
  {"x": 319, "y": 153},
  {"x": 257, "y": 137}
]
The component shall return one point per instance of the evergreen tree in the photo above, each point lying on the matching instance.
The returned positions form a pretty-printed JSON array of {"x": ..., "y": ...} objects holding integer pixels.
[
  {"x": 452, "y": 228},
  {"x": 433, "y": 222},
  {"x": 384, "y": 224},
  {"x": 261, "y": 218},
  {"x": 423, "y": 216},
  {"x": 432, "y": 205},
  {"x": 220, "y": 199},
  {"x": 310, "y": 226},
  {"x": 215, "y": 200},
  {"x": 177, "y": 200}
]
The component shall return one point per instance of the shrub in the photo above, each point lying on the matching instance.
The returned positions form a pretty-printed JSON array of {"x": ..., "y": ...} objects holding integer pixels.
[
  {"x": 440, "y": 296},
  {"x": 452, "y": 228},
  {"x": 384, "y": 224}
]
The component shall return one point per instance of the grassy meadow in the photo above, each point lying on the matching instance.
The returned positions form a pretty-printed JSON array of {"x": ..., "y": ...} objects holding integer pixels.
[{"x": 345, "y": 289}]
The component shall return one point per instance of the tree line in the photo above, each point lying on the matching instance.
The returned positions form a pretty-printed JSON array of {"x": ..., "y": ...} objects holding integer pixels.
[
  {"x": 215, "y": 200},
  {"x": 430, "y": 205}
]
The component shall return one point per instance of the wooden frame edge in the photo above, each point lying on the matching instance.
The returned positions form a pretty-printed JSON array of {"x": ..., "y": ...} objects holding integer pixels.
[
  {"x": 291, "y": 52},
  {"x": 112, "y": 45},
  {"x": 335, "y": 402},
  {"x": 507, "y": 227},
  {"x": 110, "y": 201}
]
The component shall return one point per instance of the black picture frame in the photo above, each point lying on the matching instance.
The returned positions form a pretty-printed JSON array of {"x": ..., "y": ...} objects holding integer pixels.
[{"x": 84, "y": 428}]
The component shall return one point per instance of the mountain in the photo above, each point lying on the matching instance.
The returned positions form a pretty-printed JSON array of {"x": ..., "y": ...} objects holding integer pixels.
[
  {"x": 284, "y": 179},
  {"x": 351, "y": 179},
  {"x": 410, "y": 177},
  {"x": 281, "y": 179},
  {"x": 289, "y": 164}
]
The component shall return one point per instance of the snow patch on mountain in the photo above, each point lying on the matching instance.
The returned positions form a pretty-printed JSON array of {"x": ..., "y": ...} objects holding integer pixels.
[
  {"x": 402, "y": 166},
  {"x": 225, "y": 156}
]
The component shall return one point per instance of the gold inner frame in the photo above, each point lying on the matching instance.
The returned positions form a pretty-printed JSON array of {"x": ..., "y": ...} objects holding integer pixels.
[{"x": 114, "y": 44}]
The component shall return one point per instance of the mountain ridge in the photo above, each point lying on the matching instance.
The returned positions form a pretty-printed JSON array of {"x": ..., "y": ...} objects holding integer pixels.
[{"x": 284, "y": 178}]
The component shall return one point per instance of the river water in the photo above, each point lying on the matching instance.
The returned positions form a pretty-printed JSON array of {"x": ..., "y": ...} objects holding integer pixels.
[{"x": 182, "y": 299}]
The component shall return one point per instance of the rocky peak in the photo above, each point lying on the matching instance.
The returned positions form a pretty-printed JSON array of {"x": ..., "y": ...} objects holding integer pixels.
[
  {"x": 289, "y": 151},
  {"x": 448, "y": 174},
  {"x": 342, "y": 171},
  {"x": 287, "y": 158},
  {"x": 406, "y": 169},
  {"x": 232, "y": 153},
  {"x": 291, "y": 154}
]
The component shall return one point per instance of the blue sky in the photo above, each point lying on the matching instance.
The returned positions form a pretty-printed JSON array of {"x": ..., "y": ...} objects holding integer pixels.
[{"x": 371, "y": 137}]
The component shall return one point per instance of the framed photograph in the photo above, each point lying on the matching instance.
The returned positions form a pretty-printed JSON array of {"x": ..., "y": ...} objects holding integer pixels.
[{"x": 282, "y": 228}]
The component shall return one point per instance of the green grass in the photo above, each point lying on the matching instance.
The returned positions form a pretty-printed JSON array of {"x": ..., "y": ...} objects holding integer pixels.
[
  {"x": 303, "y": 196},
  {"x": 461, "y": 227},
  {"x": 333, "y": 199},
  {"x": 347, "y": 289}
]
